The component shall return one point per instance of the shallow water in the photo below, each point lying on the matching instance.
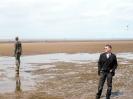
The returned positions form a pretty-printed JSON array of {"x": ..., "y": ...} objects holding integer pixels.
[
  {"x": 9, "y": 79},
  {"x": 49, "y": 58}
]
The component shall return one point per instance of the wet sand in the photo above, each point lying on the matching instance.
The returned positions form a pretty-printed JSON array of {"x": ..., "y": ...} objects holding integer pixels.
[
  {"x": 63, "y": 70},
  {"x": 66, "y": 47},
  {"x": 62, "y": 76}
]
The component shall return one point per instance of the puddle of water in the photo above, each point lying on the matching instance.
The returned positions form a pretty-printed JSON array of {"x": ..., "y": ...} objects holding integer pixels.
[
  {"x": 124, "y": 62},
  {"x": 8, "y": 81},
  {"x": 8, "y": 76},
  {"x": 128, "y": 56},
  {"x": 50, "y": 58},
  {"x": 116, "y": 94}
]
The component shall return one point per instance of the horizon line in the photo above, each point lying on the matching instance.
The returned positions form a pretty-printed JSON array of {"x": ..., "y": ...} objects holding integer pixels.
[{"x": 60, "y": 40}]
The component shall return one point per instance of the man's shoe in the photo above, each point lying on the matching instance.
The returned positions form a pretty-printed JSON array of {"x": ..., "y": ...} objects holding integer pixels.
[{"x": 107, "y": 97}]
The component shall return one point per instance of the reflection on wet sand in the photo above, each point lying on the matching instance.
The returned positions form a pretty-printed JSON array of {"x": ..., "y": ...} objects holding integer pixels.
[{"x": 18, "y": 89}]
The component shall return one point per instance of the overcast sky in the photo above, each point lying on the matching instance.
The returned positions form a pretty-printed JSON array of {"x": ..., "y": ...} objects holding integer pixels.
[{"x": 66, "y": 19}]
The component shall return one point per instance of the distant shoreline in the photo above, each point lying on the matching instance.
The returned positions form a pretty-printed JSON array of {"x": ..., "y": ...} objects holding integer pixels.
[{"x": 41, "y": 41}]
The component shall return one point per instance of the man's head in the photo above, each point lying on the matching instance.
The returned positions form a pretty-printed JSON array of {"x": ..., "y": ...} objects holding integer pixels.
[
  {"x": 108, "y": 48},
  {"x": 16, "y": 38}
]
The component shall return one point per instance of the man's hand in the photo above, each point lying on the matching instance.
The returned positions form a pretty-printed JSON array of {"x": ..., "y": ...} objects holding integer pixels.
[{"x": 113, "y": 73}]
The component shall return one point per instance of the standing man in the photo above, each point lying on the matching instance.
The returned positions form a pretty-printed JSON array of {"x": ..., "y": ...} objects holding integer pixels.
[
  {"x": 106, "y": 70},
  {"x": 17, "y": 52}
]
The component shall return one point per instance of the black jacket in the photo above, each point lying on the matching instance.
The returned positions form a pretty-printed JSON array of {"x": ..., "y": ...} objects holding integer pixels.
[{"x": 107, "y": 64}]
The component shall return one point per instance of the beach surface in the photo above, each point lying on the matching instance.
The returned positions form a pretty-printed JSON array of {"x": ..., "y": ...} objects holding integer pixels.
[
  {"x": 63, "y": 70},
  {"x": 7, "y": 49}
]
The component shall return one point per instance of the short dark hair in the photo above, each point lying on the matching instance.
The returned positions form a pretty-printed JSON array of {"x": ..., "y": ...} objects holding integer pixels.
[
  {"x": 16, "y": 38},
  {"x": 108, "y": 45}
]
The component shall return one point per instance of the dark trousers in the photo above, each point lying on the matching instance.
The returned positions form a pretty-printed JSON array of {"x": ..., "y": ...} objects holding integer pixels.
[
  {"x": 103, "y": 76},
  {"x": 17, "y": 56}
]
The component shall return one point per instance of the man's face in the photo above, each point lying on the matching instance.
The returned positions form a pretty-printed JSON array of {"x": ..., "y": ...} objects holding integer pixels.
[{"x": 107, "y": 49}]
